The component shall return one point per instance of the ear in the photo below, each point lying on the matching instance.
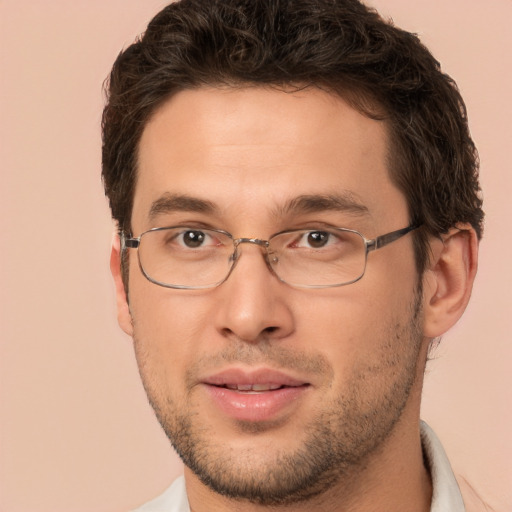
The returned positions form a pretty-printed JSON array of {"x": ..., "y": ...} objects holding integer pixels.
[
  {"x": 124, "y": 317},
  {"x": 448, "y": 280}
]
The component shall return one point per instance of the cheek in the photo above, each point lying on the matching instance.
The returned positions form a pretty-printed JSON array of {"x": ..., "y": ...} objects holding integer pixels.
[
  {"x": 355, "y": 327},
  {"x": 167, "y": 325}
]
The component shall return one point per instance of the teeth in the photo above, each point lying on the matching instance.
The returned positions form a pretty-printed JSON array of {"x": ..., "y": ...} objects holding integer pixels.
[
  {"x": 264, "y": 387},
  {"x": 253, "y": 387}
]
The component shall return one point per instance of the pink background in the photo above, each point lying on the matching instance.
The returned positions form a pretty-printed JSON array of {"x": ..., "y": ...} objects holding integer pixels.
[{"x": 76, "y": 431}]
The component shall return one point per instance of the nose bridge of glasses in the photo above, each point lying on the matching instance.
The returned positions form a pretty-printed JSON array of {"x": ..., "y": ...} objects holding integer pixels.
[
  {"x": 264, "y": 244},
  {"x": 256, "y": 241}
]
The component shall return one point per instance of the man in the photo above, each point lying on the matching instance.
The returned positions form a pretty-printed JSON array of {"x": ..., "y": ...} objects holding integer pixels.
[{"x": 298, "y": 207}]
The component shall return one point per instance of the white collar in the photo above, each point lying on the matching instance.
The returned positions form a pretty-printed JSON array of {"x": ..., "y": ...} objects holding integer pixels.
[{"x": 446, "y": 496}]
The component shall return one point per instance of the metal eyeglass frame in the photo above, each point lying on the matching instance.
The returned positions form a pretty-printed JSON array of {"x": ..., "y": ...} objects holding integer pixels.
[{"x": 370, "y": 245}]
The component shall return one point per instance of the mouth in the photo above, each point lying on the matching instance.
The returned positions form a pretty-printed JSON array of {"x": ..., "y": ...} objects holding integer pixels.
[
  {"x": 255, "y": 396},
  {"x": 255, "y": 388},
  {"x": 253, "y": 381}
]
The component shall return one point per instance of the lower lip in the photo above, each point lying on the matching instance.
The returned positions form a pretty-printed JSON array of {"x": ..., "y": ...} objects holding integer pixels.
[{"x": 255, "y": 406}]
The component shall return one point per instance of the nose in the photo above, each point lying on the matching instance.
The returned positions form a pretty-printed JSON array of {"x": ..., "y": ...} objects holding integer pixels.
[{"x": 253, "y": 304}]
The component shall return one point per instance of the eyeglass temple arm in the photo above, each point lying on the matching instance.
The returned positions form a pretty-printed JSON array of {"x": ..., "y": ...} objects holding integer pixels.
[{"x": 383, "y": 240}]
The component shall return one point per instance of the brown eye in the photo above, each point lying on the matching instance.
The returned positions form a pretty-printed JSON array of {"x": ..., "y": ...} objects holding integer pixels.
[
  {"x": 193, "y": 238},
  {"x": 317, "y": 239}
]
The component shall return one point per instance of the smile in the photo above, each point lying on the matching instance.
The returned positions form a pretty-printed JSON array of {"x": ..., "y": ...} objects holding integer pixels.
[
  {"x": 254, "y": 388},
  {"x": 255, "y": 395}
]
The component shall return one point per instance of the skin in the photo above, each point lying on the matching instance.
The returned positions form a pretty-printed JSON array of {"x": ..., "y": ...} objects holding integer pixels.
[{"x": 361, "y": 348}]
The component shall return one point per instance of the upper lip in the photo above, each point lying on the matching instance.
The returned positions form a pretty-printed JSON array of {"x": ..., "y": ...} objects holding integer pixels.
[{"x": 236, "y": 377}]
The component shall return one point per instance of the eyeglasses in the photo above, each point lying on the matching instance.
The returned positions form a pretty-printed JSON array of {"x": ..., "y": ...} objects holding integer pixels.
[{"x": 194, "y": 258}]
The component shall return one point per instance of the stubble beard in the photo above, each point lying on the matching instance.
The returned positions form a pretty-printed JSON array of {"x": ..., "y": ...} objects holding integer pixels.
[{"x": 337, "y": 444}]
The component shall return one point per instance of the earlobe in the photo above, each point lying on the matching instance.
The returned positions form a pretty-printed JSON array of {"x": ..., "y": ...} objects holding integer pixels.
[
  {"x": 123, "y": 310},
  {"x": 448, "y": 280}
]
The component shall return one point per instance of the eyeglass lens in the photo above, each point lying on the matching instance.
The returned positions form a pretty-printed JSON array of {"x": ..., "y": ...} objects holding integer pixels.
[{"x": 200, "y": 258}]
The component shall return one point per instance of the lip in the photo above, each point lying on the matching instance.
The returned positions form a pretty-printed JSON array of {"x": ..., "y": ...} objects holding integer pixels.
[{"x": 283, "y": 393}]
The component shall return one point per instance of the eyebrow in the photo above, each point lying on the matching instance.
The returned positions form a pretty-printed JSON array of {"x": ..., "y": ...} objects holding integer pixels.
[
  {"x": 345, "y": 202},
  {"x": 169, "y": 203}
]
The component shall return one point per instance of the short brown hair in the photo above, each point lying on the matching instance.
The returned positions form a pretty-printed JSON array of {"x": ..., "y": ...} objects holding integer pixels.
[{"x": 340, "y": 45}]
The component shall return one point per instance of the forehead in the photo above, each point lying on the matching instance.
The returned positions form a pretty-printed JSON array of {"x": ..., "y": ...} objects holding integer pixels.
[{"x": 259, "y": 148}]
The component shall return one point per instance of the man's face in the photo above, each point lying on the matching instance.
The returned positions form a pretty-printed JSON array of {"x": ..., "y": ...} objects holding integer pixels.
[{"x": 345, "y": 360}]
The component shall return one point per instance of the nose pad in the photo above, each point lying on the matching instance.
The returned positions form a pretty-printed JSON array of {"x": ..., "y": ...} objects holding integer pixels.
[{"x": 270, "y": 257}]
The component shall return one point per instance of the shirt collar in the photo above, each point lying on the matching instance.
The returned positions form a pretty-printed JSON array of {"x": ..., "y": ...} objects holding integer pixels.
[{"x": 446, "y": 496}]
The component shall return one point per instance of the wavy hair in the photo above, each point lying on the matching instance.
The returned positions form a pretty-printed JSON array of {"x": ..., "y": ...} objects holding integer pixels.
[{"x": 342, "y": 46}]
